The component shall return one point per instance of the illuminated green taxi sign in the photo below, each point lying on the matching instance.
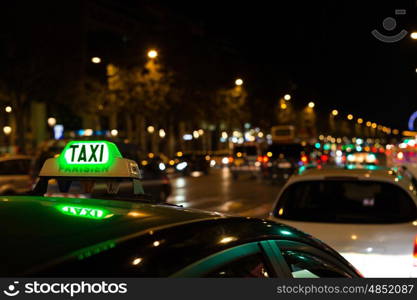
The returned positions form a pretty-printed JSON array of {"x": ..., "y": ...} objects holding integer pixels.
[
  {"x": 91, "y": 152},
  {"x": 88, "y": 156},
  {"x": 87, "y": 153},
  {"x": 90, "y": 159},
  {"x": 84, "y": 211}
]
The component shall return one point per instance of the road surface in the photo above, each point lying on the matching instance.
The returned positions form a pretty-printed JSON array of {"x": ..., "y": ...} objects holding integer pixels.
[{"x": 219, "y": 192}]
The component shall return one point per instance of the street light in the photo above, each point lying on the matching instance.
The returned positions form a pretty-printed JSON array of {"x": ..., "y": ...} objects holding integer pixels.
[
  {"x": 51, "y": 121},
  {"x": 311, "y": 104},
  {"x": 150, "y": 129},
  {"x": 162, "y": 133},
  {"x": 7, "y": 130},
  {"x": 8, "y": 109},
  {"x": 350, "y": 117},
  {"x": 287, "y": 97},
  {"x": 114, "y": 132},
  {"x": 152, "y": 53},
  {"x": 335, "y": 112},
  {"x": 96, "y": 60},
  {"x": 360, "y": 121},
  {"x": 239, "y": 82},
  {"x": 283, "y": 106}
]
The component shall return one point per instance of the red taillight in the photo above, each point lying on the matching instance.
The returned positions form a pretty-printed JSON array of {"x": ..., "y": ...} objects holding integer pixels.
[
  {"x": 259, "y": 158},
  {"x": 415, "y": 252},
  {"x": 324, "y": 158},
  {"x": 265, "y": 159},
  {"x": 165, "y": 180}
]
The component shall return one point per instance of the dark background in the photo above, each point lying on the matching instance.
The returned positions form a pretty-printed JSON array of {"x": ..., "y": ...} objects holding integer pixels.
[{"x": 320, "y": 51}]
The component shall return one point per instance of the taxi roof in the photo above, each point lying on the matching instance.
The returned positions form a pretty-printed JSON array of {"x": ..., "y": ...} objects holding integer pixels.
[
  {"x": 54, "y": 231},
  {"x": 41, "y": 221}
]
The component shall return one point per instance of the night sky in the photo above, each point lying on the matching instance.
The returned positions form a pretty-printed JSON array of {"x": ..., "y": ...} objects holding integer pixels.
[
  {"x": 320, "y": 51},
  {"x": 317, "y": 50}
]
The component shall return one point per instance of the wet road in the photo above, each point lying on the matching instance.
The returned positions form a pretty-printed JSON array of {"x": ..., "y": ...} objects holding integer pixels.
[{"x": 219, "y": 192}]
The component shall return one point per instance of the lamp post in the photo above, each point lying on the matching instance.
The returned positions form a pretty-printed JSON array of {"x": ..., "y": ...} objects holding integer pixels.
[
  {"x": 332, "y": 122},
  {"x": 7, "y": 130},
  {"x": 51, "y": 123}
]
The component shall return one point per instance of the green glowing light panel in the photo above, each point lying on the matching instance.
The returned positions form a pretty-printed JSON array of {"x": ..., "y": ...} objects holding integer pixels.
[
  {"x": 93, "y": 153},
  {"x": 90, "y": 159},
  {"x": 84, "y": 211}
]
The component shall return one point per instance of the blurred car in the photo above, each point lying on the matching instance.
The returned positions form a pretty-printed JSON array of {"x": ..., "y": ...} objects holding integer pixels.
[
  {"x": 15, "y": 174},
  {"x": 192, "y": 163},
  {"x": 155, "y": 180},
  {"x": 280, "y": 161},
  {"x": 245, "y": 160},
  {"x": 113, "y": 238},
  {"x": 366, "y": 158},
  {"x": 369, "y": 216}
]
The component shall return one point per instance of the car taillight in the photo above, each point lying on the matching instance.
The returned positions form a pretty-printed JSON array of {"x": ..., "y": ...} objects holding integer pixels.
[
  {"x": 415, "y": 252},
  {"x": 231, "y": 159},
  {"x": 324, "y": 158},
  {"x": 263, "y": 159},
  {"x": 304, "y": 159},
  {"x": 165, "y": 180}
]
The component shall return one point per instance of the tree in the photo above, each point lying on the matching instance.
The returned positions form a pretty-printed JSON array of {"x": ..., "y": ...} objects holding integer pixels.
[
  {"x": 231, "y": 106},
  {"x": 94, "y": 102},
  {"x": 143, "y": 93}
]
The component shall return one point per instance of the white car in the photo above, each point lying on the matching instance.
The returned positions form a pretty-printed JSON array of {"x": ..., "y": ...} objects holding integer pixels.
[
  {"x": 15, "y": 175},
  {"x": 368, "y": 216}
]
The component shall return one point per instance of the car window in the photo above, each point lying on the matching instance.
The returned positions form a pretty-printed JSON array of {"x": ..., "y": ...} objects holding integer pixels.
[
  {"x": 346, "y": 201},
  {"x": 249, "y": 266},
  {"x": 304, "y": 265},
  {"x": 15, "y": 167},
  {"x": 285, "y": 150},
  {"x": 248, "y": 150}
]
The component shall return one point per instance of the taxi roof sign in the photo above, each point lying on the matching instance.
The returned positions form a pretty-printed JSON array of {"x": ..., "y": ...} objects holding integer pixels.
[
  {"x": 90, "y": 159},
  {"x": 89, "y": 153}
]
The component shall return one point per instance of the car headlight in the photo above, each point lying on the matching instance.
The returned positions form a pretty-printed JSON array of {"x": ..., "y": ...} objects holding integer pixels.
[
  {"x": 225, "y": 160},
  {"x": 181, "y": 166},
  {"x": 162, "y": 166}
]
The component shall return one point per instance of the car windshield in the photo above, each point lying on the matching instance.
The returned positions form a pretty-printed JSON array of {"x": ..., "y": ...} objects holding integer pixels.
[{"x": 340, "y": 201}]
